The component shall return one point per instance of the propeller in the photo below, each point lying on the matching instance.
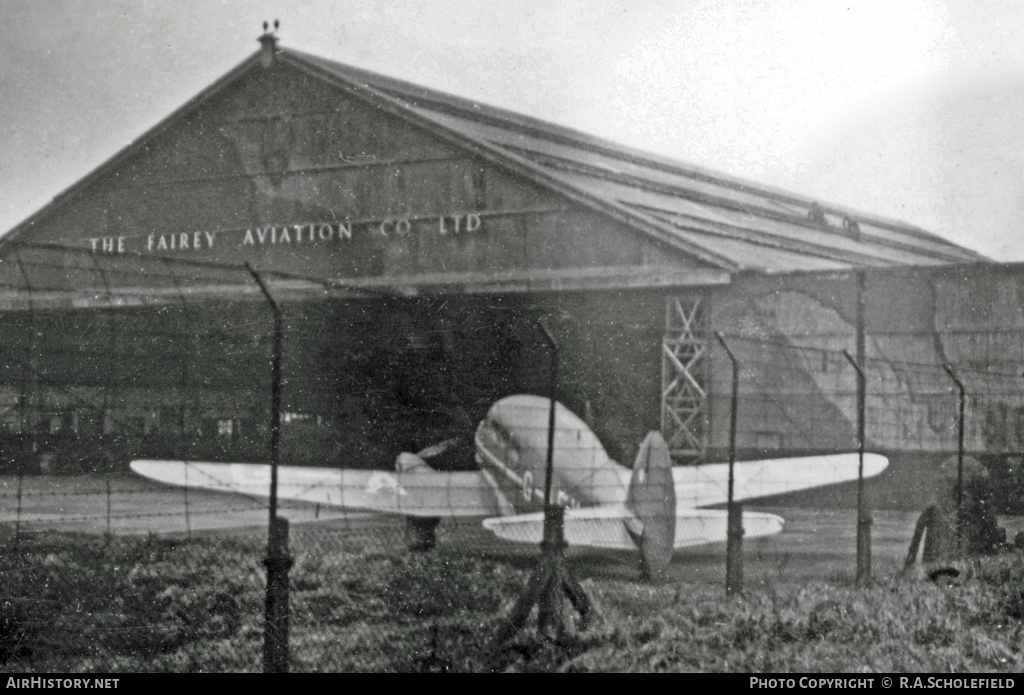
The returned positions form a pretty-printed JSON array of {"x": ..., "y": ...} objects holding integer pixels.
[{"x": 437, "y": 449}]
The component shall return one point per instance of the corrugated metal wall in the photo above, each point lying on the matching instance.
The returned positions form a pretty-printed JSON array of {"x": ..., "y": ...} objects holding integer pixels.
[{"x": 915, "y": 321}]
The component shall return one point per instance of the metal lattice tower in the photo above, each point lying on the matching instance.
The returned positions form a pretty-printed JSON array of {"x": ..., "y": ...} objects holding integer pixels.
[{"x": 684, "y": 349}]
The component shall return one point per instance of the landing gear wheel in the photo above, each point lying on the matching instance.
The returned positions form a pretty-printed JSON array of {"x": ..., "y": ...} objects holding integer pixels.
[{"x": 421, "y": 532}]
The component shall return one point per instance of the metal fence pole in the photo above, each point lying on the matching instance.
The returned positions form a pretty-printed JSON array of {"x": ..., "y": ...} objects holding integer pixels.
[
  {"x": 109, "y": 532},
  {"x": 552, "y": 385},
  {"x": 17, "y": 519},
  {"x": 277, "y": 561},
  {"x": 551, "y": 579},
  {"x": 179, "y": 444},
  {"x": 734, "y": 534},
  {"x": 959, "y": 458},
  {"x": 863, "y": 515},
  {"x": 22, "y": 397}
]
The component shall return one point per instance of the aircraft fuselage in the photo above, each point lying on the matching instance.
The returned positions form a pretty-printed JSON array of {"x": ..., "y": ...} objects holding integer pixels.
[{"x": 512, "y": 447}]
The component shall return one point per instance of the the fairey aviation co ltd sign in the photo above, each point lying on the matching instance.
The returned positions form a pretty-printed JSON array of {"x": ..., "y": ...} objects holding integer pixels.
[{"x": 281, "y": 236}]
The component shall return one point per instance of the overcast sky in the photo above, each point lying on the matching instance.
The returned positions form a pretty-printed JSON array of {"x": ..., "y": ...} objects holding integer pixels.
[{"x": 912, "y": 109}]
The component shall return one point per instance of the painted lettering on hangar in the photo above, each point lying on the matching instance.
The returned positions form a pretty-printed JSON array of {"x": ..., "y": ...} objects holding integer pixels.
[{"x": 290, "y": 235}]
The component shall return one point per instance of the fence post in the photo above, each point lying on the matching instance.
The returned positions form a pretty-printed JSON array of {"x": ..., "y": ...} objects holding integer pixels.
[
  {"x": 863, "y": 515},
  {"x": 277, "y": 561},
  {"x": 734, "y": 533},
  {"x": 109, "y": 532},
  {"x": 551, "y": 579},
  {"x": 17, "y": 519},
  {"x": 552, "y": 385},
  {"x": 179, "y": 445},
  {"x": 961, "y": 401}
]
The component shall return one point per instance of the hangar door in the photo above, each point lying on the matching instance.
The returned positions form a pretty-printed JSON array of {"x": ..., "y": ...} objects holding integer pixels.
[{"x": 401, "y": 374}]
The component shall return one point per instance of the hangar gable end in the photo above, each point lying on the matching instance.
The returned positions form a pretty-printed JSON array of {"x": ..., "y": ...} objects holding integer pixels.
[{"x": 313, "y": 177}]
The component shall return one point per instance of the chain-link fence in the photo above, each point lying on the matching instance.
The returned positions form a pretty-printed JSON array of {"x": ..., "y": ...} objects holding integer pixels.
[
  {"x": 927, "y": 420},
  {"x": 413, "y": 468}
]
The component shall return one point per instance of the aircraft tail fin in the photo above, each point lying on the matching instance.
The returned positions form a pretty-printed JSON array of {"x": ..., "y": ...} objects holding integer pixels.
[{"x": 651, "y": 498}]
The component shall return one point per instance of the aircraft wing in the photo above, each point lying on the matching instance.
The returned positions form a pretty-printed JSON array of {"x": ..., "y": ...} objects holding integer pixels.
[
  {"x": 608, "y": 527},
  {"x": 702, "y": 486},
  {"x": 433, "y": 494}
]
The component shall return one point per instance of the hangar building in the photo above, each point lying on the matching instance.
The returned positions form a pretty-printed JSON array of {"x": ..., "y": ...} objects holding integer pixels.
[{"x": 416, "y": 241}]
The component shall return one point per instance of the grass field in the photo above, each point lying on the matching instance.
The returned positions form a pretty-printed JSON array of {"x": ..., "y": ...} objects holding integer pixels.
[
  {"x": 83, "y": 603},
  {"x": 137, "y": 601}
]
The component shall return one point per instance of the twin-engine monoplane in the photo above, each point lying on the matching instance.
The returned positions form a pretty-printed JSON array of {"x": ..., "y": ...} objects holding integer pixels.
[{"x": 653, "y": 507}]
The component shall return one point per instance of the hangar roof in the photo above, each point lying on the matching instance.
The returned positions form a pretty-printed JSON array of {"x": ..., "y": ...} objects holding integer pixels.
[
  {"x": 734, "y": 224},
  {"x": 723, "y": 221}
]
